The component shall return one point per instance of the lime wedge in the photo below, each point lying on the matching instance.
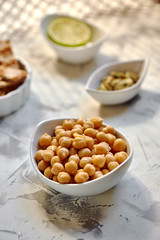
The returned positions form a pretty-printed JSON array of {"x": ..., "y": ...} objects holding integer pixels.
[{"x": 69, "y": 31}]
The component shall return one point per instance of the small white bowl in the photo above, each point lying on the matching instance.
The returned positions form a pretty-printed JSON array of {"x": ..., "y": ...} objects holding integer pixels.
[
  {"x": 117, "y": 96},
  {"x": 75, "y": 54},
  {"x": 16, "y": 98},
  {"x": 84, "y": 189}
]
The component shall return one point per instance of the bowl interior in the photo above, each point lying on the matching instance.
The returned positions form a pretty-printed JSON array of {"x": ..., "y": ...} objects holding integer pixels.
[
  {"x": 138, "y": 66},
  {"x": 98, "y": 36}
]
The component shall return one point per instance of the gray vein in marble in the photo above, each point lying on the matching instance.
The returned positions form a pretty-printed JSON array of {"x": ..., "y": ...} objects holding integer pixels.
[
  {"x": 24, "y": 163},
  {"x": 152, "y": 213},
  {"x": 143, "y": 149},
  {"x": 11, "y": 232}
]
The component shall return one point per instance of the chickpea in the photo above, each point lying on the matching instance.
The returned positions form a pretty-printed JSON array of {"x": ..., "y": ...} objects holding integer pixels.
[
  {"x": 47, "y": 155},
  {"x": 97, "y": 175},
  {"x": 84, "y": 161},
  {"x": 121, "y": 157},
  {"x": 109, "y": 129},
  {"x": 119, "y": 145},
  {"x": 92, "y": 152},
  {"x": 71, "y": 167},
  {"x": 57, "y": 131},
  {"x": 42, "y": 165},
  {"x": 69, "y": 133},
  {"x": 88, "y": 124},
  {"x": 80, "y": 170},
  {"x": 90, "y": 169},
  {"x": 71, "y": 179},
  {"x": 101, "y": 137},
  {"x": 68, "y": 124},
  {"x": 57, "y": 167},
  {"x": 63, "y": 177},
  {"x": 98, "y": 161},
  {"x": 58, "y": 127},
  {"x": 58, "y": 148},
  {"x": 54, "y": 142},
  {"x": 79, "y": 143},
  {"x": 110, "y": 138},
  {"x": 101, "y": 148},
  {"x": 55, "y": 178},
  {"x": 109, "y": 158},
  {"x": 52, "y": 148},
  {"x": 112, "y": 165},
  {"x": 77, "y": 135},
  {"x": 72, "y": 151},
  {"x": 65, "y": 142},
  {"x": 75, "y": 158},
  {"x": 54, "y": 160},
  {"x": 105, "y": 171},
  {"x": 97, "y": 168},
  {"x": 76, "y": 130},
  {"x": 48, "y": 173},
  {"x": 38, "y": 155},
  {"x": 97, "y": 121},
  {"x": 95, "y": 141},
  {"x": 100, "y": 129},
  {"x": 60, "y": 134},
  {"x": 85, "y": 152},
  {"x": 78, "y": 126},
  {"x": 90, "y": 132},
  {"x": 81, "y": 121},
  {"x": 81, "y": 177},
  {"x": 45, "y": 140},
  {"x": 63, "y": 153},
  {"x": 89, "y": 142}
]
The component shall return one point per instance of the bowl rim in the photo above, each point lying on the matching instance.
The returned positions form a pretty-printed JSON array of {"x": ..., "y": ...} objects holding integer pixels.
[
  {"x": 106, "y": 66},
  {"x": 27, "y": 79},
  {"x": 73, "y": 185},
  {"x": 78, "y": 48}
]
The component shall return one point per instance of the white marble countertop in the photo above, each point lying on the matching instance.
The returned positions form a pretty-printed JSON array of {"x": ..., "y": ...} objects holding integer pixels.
[{"x": 130, "y": 210}]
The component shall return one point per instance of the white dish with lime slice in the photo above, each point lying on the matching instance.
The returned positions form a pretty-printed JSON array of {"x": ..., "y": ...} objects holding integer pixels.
[{"x": 74, "y": 40}]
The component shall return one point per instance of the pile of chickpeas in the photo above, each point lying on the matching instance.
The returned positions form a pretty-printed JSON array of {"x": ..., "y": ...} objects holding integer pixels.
[{"x": 80, "y": 150}]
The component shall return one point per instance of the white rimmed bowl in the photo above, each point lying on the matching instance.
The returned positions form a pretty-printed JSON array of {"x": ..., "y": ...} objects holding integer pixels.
[
  {"x": 75, "y": 54},
  {"x": 84, "y": 189},
  {"x": 16, "y": 98},
  {"x": 117, "y": 96}
]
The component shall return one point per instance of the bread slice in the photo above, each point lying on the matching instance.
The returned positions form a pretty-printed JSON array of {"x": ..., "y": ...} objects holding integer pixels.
[{"x": 11, "y": 73}]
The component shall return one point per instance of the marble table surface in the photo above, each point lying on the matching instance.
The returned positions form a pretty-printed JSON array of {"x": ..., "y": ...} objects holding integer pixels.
[{"x": 131, "y": 209}]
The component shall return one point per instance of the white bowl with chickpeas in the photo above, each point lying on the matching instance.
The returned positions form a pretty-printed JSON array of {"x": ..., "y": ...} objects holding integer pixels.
[
  {"x": 117, "y": 82},
  {"x": 79, "y": 157}
]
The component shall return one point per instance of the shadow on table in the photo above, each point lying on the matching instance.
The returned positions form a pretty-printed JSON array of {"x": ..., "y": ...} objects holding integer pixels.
[
  {"x": 33, "y": 111},
  {"x": 89, "y": 216},
  {"x": 142, "y": 107},
  {"x": 77, "y": 70}
]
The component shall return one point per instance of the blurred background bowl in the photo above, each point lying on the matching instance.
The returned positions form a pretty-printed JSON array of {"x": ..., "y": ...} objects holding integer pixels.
[
  {"x": 114, "y": 97},
  {"x": 93, "y": 187},
  {"x": 79, "y": 54},
  {"x": 13, "y": 100}
]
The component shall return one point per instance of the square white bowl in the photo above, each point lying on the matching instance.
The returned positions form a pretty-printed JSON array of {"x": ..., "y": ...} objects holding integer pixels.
[
  {"x": 139, "y": 66},
  {"x": 93, "y": 187}
]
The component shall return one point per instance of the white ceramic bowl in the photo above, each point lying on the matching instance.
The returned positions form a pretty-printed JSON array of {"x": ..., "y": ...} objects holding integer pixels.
[
  {"x": 75, "y": 54},
  {"x": 117, "y": 96},
  {"x": 84, "y": 189},
  {"x": 16, "y": 98}
]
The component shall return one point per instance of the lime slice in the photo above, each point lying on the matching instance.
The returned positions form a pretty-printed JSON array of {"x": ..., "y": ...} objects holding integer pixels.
[{"x": 69, "y": 31}]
